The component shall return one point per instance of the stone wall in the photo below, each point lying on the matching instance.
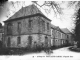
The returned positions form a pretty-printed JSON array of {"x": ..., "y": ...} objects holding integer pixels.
[{"x": 38, "y": 39}]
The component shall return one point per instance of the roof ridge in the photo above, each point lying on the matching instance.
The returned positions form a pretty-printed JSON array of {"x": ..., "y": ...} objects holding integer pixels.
[
  {"x": 27, "y": 11},
  {"x": 65, "y": 30}
]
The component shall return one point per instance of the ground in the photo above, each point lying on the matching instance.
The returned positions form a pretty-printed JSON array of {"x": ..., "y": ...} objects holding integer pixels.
[{"x": 58, "y": 54}]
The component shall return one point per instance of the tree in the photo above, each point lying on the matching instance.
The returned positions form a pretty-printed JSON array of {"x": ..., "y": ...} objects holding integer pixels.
[
  {"x": 52, "y": 5},
  {"x": 77, "y": 28},
  {"x": 77, "y": 22}
]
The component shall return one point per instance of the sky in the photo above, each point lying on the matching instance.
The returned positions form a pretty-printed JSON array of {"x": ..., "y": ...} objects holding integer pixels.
[{"x": 64, "y": 20}]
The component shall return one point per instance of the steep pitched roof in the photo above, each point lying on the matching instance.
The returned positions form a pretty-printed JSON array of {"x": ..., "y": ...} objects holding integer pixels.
[
  {"x": 65, "y": 30},
  {"x": 56, "y": 28},
  {"x": 26, "y": 11},
  {"x": 53, "y": 26}
]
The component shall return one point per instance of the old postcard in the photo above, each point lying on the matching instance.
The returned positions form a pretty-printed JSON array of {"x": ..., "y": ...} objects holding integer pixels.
[{"x": 40, "y": 30}]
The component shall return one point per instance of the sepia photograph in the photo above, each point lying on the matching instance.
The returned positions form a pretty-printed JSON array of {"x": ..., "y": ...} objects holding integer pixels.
[{"x": 31, "y": 30}]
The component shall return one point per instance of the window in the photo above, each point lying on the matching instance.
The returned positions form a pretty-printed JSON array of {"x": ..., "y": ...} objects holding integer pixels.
[
  {"x": 30, "y": 23},
  {"x": 43, "y": 25},
  {"x": 47, "y": 26},
  {"x": 18, "y": 40},
  {"x": 51, "y": 32},
  {"x": 19, "y": 27},
  {"x": 67, "y": 36},
  {"x": 30, "y": 40},
  {"x": 59, "y": 34},
  {"x": 46, "y": 41},
  {"x": 9, "y": 28},
  {"x": 8, "y": 42},
  {"x": 56, "y": 34}
]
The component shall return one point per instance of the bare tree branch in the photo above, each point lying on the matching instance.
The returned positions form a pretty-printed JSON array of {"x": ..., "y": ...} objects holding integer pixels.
[
  {"x": 71, "y": 3},
  {"x": 55, "y": 6}
]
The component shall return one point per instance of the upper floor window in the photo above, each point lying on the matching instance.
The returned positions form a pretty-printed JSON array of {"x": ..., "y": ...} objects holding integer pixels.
[
  {"x": 43, "y": 25},
  {"x": 9, "y": 28},
  {"x": 30, "y": 23},
  {"x": 67, "y": 36},
  {"x": 47, "y": 26},
  {"x": 51, "y": 32},
  {"x": 57, "y": 34},
  {"x": 61, "y": 35},
  {"x": 19, "y": 26}
]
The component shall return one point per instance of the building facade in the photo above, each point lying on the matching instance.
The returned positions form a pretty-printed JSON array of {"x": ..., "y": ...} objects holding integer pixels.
[
  {"x": 27, "y": 29},
  {"x": 58, "y": 37},
  {"x": 70, "y": 36}
]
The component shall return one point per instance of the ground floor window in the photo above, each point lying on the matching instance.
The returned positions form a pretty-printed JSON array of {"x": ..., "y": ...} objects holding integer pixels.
[
  {"x": 35, "y": 45},
  {"x": 8, "y": 42},
  {"x": 46, "y": 41},
  {"x": 19, "y": 40},
  {"x": 29, "y": 40}
]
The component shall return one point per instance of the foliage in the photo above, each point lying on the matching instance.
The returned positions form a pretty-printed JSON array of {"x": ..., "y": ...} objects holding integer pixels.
[{"x": 77, "y": 28}]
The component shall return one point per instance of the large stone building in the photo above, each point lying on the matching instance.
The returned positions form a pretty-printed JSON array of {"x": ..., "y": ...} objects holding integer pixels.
[
  {"x": 70, "y": 36},
  {"x": 27, "y": 28},
  {"x": 58, "y": 37}
]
